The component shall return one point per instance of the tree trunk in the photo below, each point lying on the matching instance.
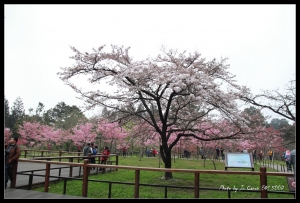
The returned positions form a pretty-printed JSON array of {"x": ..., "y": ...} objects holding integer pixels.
[
  {"x": 167, "y": 159},
  {"x": 168, "y": 175}
]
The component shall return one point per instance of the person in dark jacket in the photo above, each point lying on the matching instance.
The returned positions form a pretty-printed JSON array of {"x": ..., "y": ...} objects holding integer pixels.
[
  {"x": 201, "y": 153},
  {"x": 293, "y": 161},
  {"x": 87, "y": 149},
  {"x": 124, "y": 151},
  {"x": 217, "y": 152},
  {"x": 12, "y": 153},
  {"x": 95, "y": 151}
]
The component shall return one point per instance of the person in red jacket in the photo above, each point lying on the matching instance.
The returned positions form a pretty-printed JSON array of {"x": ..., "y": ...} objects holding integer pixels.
[
  {"x": 105, "y": 152},
  {"x": 154, "y": 152}
]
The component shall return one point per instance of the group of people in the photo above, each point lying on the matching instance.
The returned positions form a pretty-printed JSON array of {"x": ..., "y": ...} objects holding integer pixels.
[
  {"x": 12, "y": 153},
  {"x": 220, "y": 152},
  {"x": 186, "y": 153},
  {"x": 261, "y": 154},
  {"x": 91, "y": 148},
  {"x": 151, "y": 152}
]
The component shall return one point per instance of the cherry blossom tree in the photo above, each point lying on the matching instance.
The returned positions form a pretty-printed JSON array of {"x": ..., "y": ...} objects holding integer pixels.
[
  {"x": 83, "y": 134},
  {"x": 29, "y": 132},
  {"x": 178, "y": 91},
  {"x": 7, "y": 134},
  {"x": 49, "y": 136},
  {"x": 36, "y": 134},
  {"x": 143, "y": 136},
  {"x": 111, "y": 132},
  {"x": 262, "y": 138},
  {"x": 281, "y": 103}
]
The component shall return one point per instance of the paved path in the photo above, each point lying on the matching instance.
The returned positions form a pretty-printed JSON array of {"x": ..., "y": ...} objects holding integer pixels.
[
  {"x": 277, "y": 167},
  {"x": 11, "y": 193},
  {"x": 23, "y": 180}
]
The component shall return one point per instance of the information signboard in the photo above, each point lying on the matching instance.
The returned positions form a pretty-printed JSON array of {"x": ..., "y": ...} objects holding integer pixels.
[
  {"x": 238, "y": 160},
  {"x": 291, "y": 183}
]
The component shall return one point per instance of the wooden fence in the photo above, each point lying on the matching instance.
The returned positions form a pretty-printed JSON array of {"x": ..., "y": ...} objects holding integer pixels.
[{"x": 86, "y": 169}]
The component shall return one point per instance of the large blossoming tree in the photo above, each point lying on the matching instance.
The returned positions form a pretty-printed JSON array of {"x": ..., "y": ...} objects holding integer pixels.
[
  {"x": 282, "y": 103},
  {"x": 39, "y": 134},
  {"x": 178, "y": 92}
]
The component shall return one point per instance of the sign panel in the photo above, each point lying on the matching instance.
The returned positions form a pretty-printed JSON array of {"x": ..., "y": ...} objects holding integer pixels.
[
  {"x": 291, "y": 183},
  {"x": 238, "y": 160}
]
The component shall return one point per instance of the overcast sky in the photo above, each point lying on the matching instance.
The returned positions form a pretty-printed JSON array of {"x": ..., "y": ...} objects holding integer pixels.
[{"x": 259, "y": 41}]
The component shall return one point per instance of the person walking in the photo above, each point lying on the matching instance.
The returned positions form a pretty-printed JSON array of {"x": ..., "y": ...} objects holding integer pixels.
[
  {"x": 201, "y": 153},
  {"x": 95, "y": 151},
  {"x": 105, "y": 152},
  {"x": 12, "y": 154},
  {"x": 124, "y": 151},
  {"x": 148, "y": 153},
  {"x": 49, "y": 148},
  {"x": 254, "y": 154},
  {"x": 78, "y": 148},
  {"x": 87, "y": 149},
  {"x": 154, "y": 152},
  {"x": 287, "y": 157},
  {"x": 186, "y": 153},
  {"x": 260, "y": 154},
  {"x": 270, "y": 153},
  {"x": 293, "y": 161},
  {"x": 217, "y": 152},
  {"x": 222, "y": 153}
]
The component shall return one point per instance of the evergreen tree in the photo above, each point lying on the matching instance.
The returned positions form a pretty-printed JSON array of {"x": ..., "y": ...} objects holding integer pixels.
[
  {"x": 17, "y": 116},
  {"x": 63, "y": 116},
  {"x": 255, "y": 112},
  {"x": 6, "y": 113},
  {"x": 38, "y": 116},
  {"x": 288, "y": 131}
]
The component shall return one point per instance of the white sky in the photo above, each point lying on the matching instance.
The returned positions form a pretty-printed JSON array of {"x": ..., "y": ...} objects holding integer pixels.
[{"x": 259, "y": 40}]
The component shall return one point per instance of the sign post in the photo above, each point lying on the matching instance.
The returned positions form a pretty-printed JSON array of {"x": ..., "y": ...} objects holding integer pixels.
[
  {"x": 238, "y": 160},
  {"x": 291, "y": 183}
]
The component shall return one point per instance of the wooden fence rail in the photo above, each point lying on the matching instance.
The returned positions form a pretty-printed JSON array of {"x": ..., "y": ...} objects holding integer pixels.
[{"x": 86, "y": 165}]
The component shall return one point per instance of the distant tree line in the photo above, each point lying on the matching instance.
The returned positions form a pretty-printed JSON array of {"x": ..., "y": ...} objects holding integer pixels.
[{"x": 64, "y": 117}]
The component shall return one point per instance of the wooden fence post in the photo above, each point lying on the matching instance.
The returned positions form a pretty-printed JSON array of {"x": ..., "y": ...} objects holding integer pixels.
[
  {"x": 47, "y": 174},
  {"x": 137, "y": 184},
  {"x": 14, "y": 169},
  {"x": 117, "y": 161},
  {"x": 85, "y": 178},
  {"x": 263, "y": 182}
]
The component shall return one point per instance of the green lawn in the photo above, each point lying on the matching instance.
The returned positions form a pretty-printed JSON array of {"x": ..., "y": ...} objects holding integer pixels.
[{"x": 220, "y": 181}]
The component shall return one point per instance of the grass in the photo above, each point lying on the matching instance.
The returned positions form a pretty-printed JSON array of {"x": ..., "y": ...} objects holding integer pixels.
[{"x": 220, "y": 181}]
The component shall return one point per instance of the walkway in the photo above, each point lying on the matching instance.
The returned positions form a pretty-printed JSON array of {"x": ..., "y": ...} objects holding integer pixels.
[
  {"x": 22, "y": 180},
  {"x": 11, "y": 193}
]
